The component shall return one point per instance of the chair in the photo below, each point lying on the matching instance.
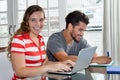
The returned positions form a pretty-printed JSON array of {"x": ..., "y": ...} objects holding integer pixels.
[{"x": 6, "y": 71}]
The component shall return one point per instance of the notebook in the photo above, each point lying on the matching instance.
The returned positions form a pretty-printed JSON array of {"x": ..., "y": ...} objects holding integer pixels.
[
  {"x": 113, "y": 70},
  {"x": 102, "y": 65},
  {"x": 84, "y": 58}
]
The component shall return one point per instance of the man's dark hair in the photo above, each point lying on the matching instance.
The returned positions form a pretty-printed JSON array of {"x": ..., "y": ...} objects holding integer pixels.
[{"x": 75, "y": 17}]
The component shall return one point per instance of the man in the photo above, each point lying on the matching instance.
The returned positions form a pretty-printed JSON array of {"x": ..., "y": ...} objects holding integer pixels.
[{"x": 66, "y": 44}]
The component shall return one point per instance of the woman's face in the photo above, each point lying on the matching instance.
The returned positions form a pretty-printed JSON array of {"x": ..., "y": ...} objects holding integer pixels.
[{"x": 36, "y": 23}]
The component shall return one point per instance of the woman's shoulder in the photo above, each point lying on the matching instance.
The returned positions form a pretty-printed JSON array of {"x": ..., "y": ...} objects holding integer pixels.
[{"x": 19, "y": 36}]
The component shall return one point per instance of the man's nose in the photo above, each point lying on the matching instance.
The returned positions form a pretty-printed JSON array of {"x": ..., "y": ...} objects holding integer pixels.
[{"x": 82, "y": 33}]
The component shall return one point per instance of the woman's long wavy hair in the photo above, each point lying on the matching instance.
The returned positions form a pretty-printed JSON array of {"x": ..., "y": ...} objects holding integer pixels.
[{"x": 24, "y": 26}]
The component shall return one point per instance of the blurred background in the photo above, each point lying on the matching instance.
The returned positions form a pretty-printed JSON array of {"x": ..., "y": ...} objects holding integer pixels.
[{"x": 102, "y": 31}]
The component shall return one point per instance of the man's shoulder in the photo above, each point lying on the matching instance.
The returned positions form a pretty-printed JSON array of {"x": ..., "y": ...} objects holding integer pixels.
[
  {"x": 56, "y": 35},
  {"x": 56, "y": 38}
]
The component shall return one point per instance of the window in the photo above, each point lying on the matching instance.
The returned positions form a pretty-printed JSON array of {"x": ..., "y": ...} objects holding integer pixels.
[
  {"x": 3, "y": 23},
  {"x": 94, "y": 10},
  {"x": 15, "y": 9},
  {"x": 51, "y": 13},
  {"x": 55, "y": 17}
]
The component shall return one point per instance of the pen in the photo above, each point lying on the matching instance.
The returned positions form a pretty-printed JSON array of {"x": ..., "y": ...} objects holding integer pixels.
[{"x": 108, "y": 54}]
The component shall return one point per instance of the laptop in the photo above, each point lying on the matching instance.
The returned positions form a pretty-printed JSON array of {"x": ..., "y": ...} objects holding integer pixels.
[{"x": 84, "y": 58}]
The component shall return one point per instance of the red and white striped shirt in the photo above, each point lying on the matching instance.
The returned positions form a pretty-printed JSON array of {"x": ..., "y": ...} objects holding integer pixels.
[{"x": 34, "y": 55}]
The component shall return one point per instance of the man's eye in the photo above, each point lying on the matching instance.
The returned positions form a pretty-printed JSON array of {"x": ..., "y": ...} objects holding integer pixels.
[{"x": 81, "y": 30}]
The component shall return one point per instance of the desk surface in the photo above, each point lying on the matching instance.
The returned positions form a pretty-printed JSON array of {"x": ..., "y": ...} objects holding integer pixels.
[{"x": 92, "y": 73}]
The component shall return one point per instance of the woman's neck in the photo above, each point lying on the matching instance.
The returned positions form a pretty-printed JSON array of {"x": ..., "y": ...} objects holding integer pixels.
[
  {"x": 33, "y": 35},
  {"x": 35, "y": 39}
]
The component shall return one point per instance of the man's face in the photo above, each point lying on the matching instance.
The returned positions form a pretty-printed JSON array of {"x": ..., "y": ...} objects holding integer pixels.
[{"x": 78, "y": 31}]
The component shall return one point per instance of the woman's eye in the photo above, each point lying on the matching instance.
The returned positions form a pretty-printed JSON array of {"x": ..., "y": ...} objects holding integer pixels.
[
  {"x": 32, "y": 19},
  {"x": 41, "y": 20}
]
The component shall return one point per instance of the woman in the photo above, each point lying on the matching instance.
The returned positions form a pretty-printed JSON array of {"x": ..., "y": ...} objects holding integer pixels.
[{"x": 27, "y": 49}]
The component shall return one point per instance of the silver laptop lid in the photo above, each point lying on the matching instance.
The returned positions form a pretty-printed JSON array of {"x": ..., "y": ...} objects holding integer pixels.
[{"x": 84, "y": 58}]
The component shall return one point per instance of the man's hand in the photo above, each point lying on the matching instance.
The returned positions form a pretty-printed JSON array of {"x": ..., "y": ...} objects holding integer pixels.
[{"x": 101, "y": 60}]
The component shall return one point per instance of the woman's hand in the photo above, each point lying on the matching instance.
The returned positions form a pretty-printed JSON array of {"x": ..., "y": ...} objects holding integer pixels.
[
  {"x": 60, "y": 66},
  {"x": 69, "y": 63}
]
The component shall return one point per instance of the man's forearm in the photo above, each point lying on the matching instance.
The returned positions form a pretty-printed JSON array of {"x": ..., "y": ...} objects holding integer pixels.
[
  {"x": 93, "y": 60},
  {"x": 72, "y": 58}
]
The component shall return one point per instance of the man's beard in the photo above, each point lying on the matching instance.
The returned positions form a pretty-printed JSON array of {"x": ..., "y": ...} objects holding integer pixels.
[{"x": 74, "y": 39}]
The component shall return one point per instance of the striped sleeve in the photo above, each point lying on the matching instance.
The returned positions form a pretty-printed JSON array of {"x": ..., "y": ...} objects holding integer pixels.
[{"x": 17, "y": 45}]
